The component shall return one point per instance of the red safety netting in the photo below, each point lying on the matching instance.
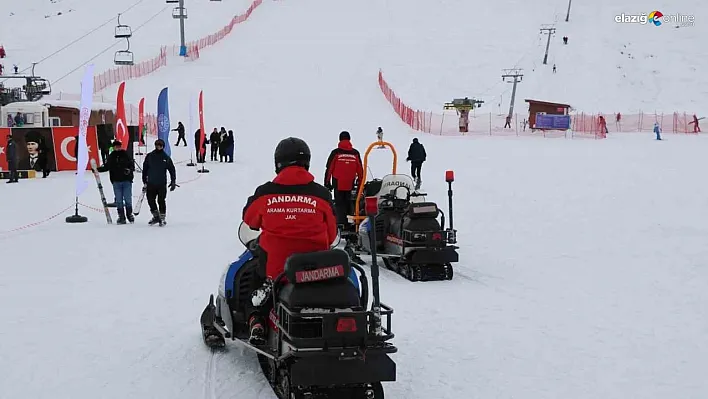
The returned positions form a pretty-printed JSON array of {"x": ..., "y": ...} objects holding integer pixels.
[
  {"x": 121, "y": 74},
  {"x": 582, "y": 125}
]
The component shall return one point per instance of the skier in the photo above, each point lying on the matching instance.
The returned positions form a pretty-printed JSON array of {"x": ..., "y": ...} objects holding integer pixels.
[
  {"x": 214, "y": 139},
  {"x": 565, "y": 39},
  {"x": 657, "y": 130},
  {"x": 342, "y": 173},
  {"x": 121, "y": 169},
  {"x": 525, "y": 123},
  {"x": 16, "y": 69},
  {"x": 11, "y": 156},
  {"x": 416, "y": 156},
  {"x": 554, "y": 68},
  {"x": 696, "y": 127},
  {"x": 295, "y": 215},
  {"x": 379, "y": 134},
  {"x": 2, "y": 52},
  {"x": 507, "y": 123},
  {"x": 155, "y": 168},
  {"x": 180, "y": 132}
]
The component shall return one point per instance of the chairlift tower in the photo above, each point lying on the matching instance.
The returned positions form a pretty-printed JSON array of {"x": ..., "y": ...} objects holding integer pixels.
[
  {"x": 517, "y": 75},
  {"x": 123, "y": 57},
  {"x": 180, "y": 13}
]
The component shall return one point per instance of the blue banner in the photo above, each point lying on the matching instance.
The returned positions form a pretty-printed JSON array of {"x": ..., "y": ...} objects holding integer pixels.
[
  {"x": 163, "y": 120},
  {"x": 556, "y": 122}
]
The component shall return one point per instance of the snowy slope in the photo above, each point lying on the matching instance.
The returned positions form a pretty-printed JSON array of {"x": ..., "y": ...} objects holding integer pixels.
[
  {"x": 581, "y": 260},
  {"x": 458, "y": 48}
]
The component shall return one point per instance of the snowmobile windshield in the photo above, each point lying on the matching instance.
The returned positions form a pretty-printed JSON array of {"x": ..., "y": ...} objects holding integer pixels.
[{"x": 246, "y": 235}]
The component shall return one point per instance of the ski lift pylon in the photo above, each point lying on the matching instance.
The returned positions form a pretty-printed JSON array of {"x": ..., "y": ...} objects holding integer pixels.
[
  {"x": 122, "y": 31},
  {"x": 179, "y": 13}
]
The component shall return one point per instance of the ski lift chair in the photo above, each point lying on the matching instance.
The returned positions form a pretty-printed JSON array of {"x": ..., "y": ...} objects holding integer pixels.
[
  {"x": 123, "y": 57},
  {"x": 122, "y": 31},
  {"x": 176, "y": 14}
]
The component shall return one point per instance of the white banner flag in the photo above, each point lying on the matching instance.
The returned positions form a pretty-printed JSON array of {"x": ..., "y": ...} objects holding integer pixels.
[
  {"x": 82, "y": 156},
  {"x": 190, "y": 142}
]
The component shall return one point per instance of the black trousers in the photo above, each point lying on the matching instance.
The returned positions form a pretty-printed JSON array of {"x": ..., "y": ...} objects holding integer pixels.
[
  {"x": 12, "y": 165},
  {"x": 342, "y": 205},
  {"x": 181, "y": 138},
  {"x": 214, "y": 152},
  {"x": 156, "y": 196},
  {"x": 256, "y": 282},
  {"x": 415, "y": 169}
]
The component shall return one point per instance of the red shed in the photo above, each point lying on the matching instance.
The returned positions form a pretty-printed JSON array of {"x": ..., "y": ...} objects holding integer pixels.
[{"x": 546, "y": 107}]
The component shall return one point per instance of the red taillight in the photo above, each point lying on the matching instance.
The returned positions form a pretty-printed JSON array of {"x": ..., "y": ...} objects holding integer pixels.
[{"x": 346, "y": 324}]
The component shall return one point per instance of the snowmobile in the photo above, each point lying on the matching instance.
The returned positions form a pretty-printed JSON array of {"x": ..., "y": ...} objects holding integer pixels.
[
  {"x": 321, "y": 341},
  {"x": 411, "y": 240}
]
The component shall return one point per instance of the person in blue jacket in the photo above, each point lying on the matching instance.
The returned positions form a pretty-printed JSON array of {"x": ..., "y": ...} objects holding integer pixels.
[
  {"x": 657, "y": 130},
  {"x": 230, "y": 149}
]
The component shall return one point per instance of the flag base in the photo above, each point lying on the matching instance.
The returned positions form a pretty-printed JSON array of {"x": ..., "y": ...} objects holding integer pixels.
[
  {"x": 191, "y": 164},
  {"x": 76, "y": 219},
  {"x": 202, "y": 170}
]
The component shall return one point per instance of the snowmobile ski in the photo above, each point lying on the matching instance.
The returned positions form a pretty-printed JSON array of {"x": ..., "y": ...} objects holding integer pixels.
[{"x": 94, "y": 168}]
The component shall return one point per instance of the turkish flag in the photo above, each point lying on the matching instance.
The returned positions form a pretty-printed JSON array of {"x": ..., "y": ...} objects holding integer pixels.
[
  {"x": 121, "y": 125},
  {"x": 4, "y": 132},
  {"x": 65, "y": 146}
]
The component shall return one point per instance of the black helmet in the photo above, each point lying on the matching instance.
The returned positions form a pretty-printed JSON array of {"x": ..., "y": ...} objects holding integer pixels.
[
  {"x": 344, "y": 136},
  {"x": 292, "y": 151}
]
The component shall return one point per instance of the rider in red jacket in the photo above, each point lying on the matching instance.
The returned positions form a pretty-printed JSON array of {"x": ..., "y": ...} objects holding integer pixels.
[
  {"x": 294, "y": 214},
  {"x": 344, "y": 170}
]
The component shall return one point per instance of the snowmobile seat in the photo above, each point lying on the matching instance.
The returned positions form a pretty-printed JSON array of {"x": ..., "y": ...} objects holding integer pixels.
[{"x": 319, "y": 280}]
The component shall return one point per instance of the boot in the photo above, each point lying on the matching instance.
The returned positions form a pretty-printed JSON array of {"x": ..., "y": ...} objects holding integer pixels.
[
  {"x": 162, "y": 219},
  {"x": 257, "y": 331},
  {"x": 121, "y": 216},
  {"x": 129, "y": 214},
  {"x": 155, "y": 219}
]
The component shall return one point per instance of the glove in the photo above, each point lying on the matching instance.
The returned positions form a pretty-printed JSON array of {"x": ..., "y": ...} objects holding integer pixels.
[
  {"x": 328, "y": 186},
  {"x": 145, "y": 187},
  {"x": 173, "y": 186},
  {"x": 408, "y": 159}
]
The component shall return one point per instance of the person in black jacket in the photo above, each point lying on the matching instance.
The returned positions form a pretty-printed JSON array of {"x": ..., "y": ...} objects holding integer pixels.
[
  {"x": 215, "y": 140},
  {"x": 180, "y": 132},
  {"x": 416, "y": 155},
  {"x": 155, "y": 168},
  {"x": 121, "y": 169},
  {"x": 11, "y": 155}
]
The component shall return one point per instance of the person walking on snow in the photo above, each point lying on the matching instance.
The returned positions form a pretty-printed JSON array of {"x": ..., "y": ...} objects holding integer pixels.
[
  {"x": 657, "y": 130},
  {"x": 342, "y": 172},
  {"x": 230, "y": 149},
  {"x": 11, "y": 156},
  {"x": 554, "y": 68},
  {"x": 121, "y": 170},
  {"x": 155, "y": 168},
  {"x": 416, "y": 156},
  {"x": 180, "y": 132}
]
